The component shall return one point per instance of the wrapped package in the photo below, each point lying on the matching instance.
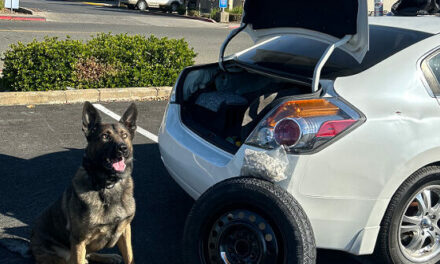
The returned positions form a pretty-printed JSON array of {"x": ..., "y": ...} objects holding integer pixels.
[{"x": 271, "y": 165}]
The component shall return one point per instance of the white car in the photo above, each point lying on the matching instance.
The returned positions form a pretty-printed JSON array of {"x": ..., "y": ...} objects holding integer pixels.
[
  {"x": 171, "y": 5},
  {"x": 325, "y": 133}
]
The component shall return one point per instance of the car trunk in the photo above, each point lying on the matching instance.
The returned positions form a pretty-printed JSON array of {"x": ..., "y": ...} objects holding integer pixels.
[{"x": 223, "y": 107}]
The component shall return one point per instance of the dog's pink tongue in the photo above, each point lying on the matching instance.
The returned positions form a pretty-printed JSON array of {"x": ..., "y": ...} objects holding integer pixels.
[{"x": 119, "y": 166}]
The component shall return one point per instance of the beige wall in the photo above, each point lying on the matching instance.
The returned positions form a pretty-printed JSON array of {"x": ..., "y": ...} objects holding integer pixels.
[{"x": 386, "y": 5}]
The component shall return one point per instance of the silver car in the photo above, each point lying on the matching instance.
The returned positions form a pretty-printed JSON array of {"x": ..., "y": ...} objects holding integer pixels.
[
  {"x": 171, "y": 5},
  {"x": 325, "y": 133}
]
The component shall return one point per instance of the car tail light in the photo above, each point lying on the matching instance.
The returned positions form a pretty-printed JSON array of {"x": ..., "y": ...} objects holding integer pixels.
[
  {"x": 333, "y": 128},
  {"x": 305, "y": 108},
  {"x": 287, "y": 132},
  {"x": 303, "y": 126}
]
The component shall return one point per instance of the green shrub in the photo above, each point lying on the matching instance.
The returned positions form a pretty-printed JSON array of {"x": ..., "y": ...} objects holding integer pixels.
[
  {"x": 40, "y": 66},
  {"x": 193, "y": 12},
  {"x": 237, "y": 10},
  {"x": 91, "y": 73},
  {"x": 2, "y": 86},
  {"x": 214, "y": 12},
  {"x": 181, "y": 10},
  {"x": 2, "y": 5},
  {"x": 104, "y": 61}
]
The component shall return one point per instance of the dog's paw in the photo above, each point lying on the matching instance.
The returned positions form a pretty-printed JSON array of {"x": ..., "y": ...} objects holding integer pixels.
[
  {"x": 105, "y": 258},
  {"x": 116, "y": 259}
]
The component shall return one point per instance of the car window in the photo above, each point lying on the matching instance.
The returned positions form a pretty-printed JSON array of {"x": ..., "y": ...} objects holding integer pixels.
[
  {"x": 299, "y": 55},
  {"x": 431, "y": 70},
  {"x": 434, "y": 65}
]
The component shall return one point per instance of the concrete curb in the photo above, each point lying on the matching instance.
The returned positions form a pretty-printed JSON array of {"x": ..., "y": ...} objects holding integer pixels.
[
  {"x": 79, "y": 96},
  {"x": 23, "y": 14},
  {"x": 22, "y": 18},
  {"x": 204, "y": 19},
  {"x": 98, "y": 4}
]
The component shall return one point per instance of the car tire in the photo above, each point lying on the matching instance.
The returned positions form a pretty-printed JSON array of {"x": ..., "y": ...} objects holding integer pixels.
[
  {"x": 407, "y": 226},
  {"x": 174, "y": 7},
  {"x": 142, "y": 5},
  {"x": 248, "y": 220}
]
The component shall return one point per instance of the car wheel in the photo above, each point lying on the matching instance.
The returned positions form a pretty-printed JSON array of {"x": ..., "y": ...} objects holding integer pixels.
[
  {"x": 248, "y": 220},
  {"x": 174, "y": 6},
  {"x": 410, "y": 229},
  {"x": 142, "y": 5}
]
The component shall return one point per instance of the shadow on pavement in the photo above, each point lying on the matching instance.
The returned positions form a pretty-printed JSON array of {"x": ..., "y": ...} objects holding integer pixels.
[{"x": 29, "y": 186}]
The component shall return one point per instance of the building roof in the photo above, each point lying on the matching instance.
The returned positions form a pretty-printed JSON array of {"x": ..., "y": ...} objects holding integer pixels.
[{"x": 428, "y": 24}]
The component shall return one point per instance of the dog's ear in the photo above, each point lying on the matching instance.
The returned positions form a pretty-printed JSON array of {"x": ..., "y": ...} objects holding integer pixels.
[
  {"x": 90, "y": 119},
  {"x": 129, "y": 119}
]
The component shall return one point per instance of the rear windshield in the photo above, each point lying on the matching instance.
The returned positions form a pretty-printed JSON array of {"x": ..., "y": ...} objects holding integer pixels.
[{"x": 299, "y": 55}]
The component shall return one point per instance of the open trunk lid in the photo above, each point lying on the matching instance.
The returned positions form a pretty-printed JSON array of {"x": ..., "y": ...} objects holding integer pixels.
[
  {"x": 339, "y": 23},
  {"x": 328, "y": 21}
]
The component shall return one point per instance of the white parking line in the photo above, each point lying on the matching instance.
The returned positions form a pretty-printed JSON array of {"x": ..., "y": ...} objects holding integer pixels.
[{"x": 117, "y": 117}]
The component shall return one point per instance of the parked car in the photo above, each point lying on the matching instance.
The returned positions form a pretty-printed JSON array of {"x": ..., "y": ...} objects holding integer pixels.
[
  {"x": 325, "y": 133},
  {"x": 170, "y": 5}
]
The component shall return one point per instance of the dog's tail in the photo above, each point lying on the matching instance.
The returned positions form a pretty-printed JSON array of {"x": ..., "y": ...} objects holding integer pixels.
[{"x": 16, "y": 245}]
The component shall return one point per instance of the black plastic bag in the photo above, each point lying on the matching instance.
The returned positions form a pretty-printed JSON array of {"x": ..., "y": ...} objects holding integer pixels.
[{"x": 416, "y": 7}]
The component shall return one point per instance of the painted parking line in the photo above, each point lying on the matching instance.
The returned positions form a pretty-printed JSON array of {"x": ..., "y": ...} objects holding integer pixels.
[{"x": 117, "y": 117}]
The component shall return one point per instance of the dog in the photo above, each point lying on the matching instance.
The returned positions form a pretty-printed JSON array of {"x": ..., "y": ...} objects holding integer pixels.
[{"x": 96, "y": 210}]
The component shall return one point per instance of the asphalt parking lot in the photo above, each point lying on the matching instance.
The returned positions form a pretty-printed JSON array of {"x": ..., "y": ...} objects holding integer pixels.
[{"x": 41, "y": 148}]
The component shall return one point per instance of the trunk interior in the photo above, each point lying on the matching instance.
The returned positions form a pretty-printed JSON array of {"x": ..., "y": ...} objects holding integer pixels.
[{"x": 225, "y": 107}]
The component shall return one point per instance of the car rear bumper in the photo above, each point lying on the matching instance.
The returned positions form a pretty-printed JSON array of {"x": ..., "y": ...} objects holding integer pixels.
[{"x": 344, "y": 223}]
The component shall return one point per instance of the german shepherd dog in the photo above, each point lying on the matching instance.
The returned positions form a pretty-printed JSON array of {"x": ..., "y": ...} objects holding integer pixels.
[{"x": 96, "y": 210}]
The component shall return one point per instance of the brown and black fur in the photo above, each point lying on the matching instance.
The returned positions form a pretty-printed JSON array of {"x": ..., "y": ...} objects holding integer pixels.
[{"x": 96, "y": 210}]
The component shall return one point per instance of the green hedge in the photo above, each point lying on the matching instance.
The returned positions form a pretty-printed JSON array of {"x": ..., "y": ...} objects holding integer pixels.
[
  {"x": 104, "y": 61},
  {"x": 237, "y": 10}
]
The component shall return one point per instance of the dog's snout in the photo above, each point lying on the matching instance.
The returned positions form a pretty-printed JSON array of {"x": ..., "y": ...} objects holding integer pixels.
[{"x": 122, "y": 147}]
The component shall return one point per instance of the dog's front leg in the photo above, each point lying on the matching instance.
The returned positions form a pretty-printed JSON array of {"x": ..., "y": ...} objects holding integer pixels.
[
  {"x": 124, "y": 245},
  {"x": 78, "y": 253}
]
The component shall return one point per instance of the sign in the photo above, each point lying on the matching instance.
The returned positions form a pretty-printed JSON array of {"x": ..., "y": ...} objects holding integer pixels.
[
  {"x": 11, "y": 4},
  {"x": 223, "y": 3}
]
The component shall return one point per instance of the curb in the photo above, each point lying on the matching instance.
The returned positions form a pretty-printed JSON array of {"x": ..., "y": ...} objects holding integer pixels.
[
  {"x": 210, "y": 20},
  {"x": 79, "y": 96},
  {"x": 26, "y": 17},
  {"x": 98, "y": 4},
  {"x": 204, "y": 19},
  {"x": 22, "y": 18}
]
